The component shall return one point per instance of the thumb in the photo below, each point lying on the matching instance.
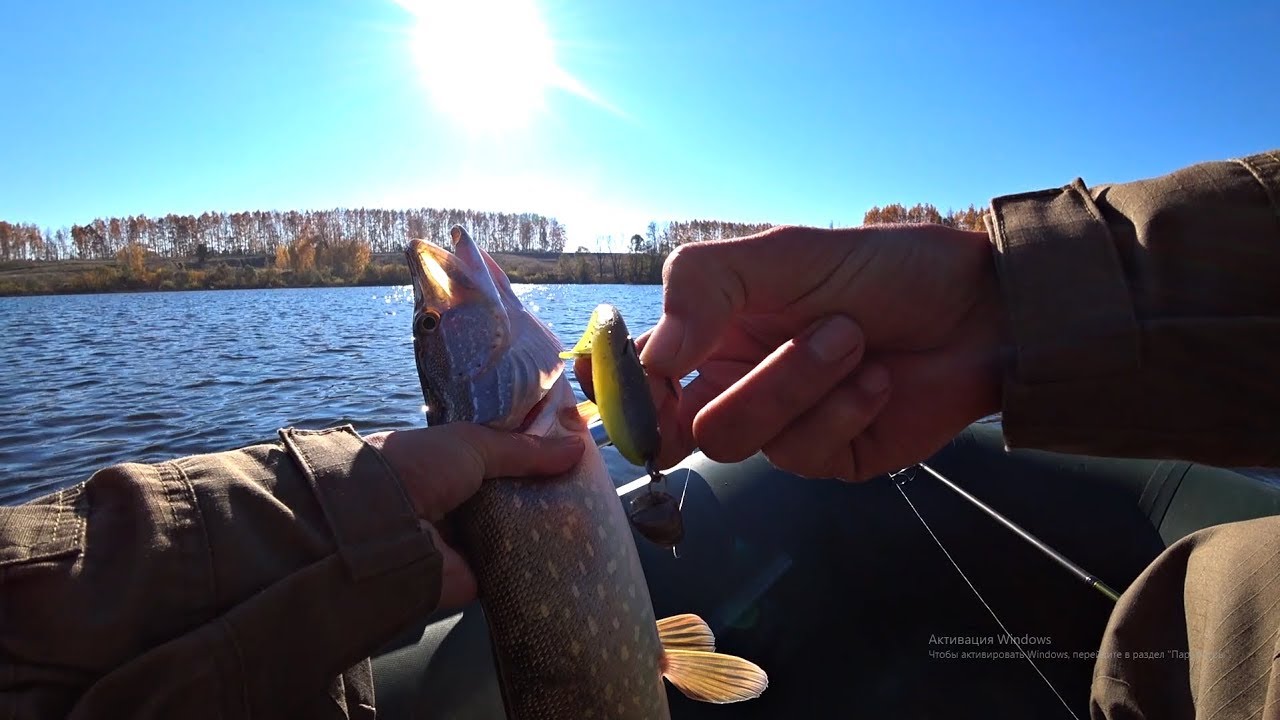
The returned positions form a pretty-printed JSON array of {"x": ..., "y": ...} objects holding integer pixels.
[
  {"x": 510, "y": 454},
  {"x": 443, "y": 466},
  {"x": 705, "y": 284}
]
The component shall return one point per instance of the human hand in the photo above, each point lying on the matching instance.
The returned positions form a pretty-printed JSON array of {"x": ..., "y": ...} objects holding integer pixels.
[
  {"x": 839, "y": 353},
  {"x": 441, "y": 467}
]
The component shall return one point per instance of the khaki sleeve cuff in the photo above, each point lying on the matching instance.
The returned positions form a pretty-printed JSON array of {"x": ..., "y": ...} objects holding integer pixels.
[
  {"x": 1053, "y": 245},
  {"x": 1143, "y": 317},
  {"x": 368, "y": 511}
]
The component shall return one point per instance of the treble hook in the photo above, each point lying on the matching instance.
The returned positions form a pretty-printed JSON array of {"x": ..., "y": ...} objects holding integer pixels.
[{"x": 655, "y": 513}]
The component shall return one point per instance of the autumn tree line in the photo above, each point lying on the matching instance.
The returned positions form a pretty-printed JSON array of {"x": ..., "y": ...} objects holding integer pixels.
[
  {"x": 341, "y": 247},
  {"x": 969, "y": 218},
  {"x": 264, "y": 232}
]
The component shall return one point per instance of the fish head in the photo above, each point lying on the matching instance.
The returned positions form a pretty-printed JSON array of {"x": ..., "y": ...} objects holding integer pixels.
[{"x": 481, "y": 356}]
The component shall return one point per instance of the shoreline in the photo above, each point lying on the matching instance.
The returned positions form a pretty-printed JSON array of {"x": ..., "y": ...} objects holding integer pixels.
[{"x": 86, "y": 277}]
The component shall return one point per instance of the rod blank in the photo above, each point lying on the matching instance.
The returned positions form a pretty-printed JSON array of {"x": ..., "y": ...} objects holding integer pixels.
[{"x": 1056, "y": 556}]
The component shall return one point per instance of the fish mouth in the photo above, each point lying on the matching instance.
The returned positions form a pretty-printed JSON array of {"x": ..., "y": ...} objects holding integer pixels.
[
  {"x": 428, "y": 270},
  {"x": 480, "y": 349},
  {"x": 445, "y": 279},
  {"x": 440, "y": 276}
]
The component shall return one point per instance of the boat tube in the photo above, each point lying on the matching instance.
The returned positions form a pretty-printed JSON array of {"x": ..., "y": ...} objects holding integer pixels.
[{"x": 843, "y": 596}]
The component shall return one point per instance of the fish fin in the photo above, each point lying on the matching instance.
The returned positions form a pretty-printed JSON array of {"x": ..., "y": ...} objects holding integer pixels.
[
  {"x": 588, "y": 411},
  {"x": 686, "y": 632},
  {"x": 714, "y": 677}
]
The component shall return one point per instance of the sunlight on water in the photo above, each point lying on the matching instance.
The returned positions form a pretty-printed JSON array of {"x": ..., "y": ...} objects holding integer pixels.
[{"x": 401, "y": 294}]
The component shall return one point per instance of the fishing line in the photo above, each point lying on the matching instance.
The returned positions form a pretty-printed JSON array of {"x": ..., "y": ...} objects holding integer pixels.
[
  {"x": 981, "y": 599},
  {"x": 675, "y": 549}
]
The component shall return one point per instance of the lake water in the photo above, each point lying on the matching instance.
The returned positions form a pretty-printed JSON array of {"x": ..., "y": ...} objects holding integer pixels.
[{"x": 91, "y": 380}]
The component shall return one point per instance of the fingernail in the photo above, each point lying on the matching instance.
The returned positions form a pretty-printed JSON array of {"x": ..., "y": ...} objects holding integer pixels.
[
  {"x": 873, "y": 380},
  {"x": 664, "y": 343},
  {"x": 834, "y": 338}
]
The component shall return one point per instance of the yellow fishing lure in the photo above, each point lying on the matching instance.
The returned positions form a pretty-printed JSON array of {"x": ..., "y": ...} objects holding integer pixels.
[{"x": 621, "y": 390}]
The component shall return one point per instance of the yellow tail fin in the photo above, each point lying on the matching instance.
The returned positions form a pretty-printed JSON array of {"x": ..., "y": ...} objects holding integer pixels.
[
  {"x": 690, "y": 662},
  {"x": 714, "y": 677},
  {"x": 686, "y": 632}
]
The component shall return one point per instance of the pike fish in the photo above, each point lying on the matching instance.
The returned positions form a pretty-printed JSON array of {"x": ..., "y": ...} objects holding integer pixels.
[{"x": 564, "y": 594}]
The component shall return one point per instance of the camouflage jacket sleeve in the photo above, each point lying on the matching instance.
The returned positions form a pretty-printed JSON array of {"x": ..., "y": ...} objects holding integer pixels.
[
  {"x": 251, "y": 583},
  {"x": 1144, "y": 318}
]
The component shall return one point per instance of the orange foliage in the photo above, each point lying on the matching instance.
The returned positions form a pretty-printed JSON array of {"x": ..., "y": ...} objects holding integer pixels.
[{"x": 969, "y": 218}]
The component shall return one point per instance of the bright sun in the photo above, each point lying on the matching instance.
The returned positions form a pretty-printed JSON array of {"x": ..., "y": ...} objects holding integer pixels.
[{"x": 488, "y": 64}]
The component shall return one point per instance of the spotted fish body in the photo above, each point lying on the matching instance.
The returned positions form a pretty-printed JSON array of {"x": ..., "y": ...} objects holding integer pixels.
[
  {"x": 577, "y": 626},
  {"x": 564, "y": 594}
]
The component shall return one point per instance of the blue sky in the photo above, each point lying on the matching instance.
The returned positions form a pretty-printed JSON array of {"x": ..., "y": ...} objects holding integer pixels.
[{"x": 608, "y": 114}]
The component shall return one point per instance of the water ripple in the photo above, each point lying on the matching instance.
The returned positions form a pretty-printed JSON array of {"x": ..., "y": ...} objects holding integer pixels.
[{"x": 91, "y": 380}]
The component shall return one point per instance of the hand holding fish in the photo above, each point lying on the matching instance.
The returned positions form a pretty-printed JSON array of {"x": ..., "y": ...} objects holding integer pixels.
[
  {"x": 839, "y": 353},
  {"x": 442, "y": 467}
]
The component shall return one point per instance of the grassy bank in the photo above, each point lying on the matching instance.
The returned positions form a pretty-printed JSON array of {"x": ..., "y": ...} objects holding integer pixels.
[{"x": 234, "y": 272}]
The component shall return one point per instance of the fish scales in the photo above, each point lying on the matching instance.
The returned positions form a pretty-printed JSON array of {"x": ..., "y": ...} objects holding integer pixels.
[{"x": 579, "y": 586}]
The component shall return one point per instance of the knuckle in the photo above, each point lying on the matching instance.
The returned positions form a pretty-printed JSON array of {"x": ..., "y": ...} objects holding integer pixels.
[
  {"x": 785, "y": 229},
  {"x": 677, "y": 261},
  {"x": 682, "y": 255},
  {"x": 689, "y": 261},
  {"x": 477, "y": 445}
]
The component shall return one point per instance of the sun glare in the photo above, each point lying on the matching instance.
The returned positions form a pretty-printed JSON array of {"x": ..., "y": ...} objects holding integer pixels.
[{"x": 487, "y": 64}]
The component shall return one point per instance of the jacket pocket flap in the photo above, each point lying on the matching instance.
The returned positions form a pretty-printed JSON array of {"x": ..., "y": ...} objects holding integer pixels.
[{"x": 43, "y": 529}]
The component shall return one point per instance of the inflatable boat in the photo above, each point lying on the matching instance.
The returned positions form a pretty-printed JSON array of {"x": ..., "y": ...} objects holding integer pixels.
[{"x": 856, "y": 598}]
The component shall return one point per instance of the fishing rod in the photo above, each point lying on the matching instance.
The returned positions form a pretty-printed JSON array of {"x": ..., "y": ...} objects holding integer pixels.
[
  {"x": 1085, "y": 576},
  {"x": 1020, "y": 532}
]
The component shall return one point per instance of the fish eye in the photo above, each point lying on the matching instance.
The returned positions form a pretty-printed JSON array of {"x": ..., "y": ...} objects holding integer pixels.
[{"x": 427, "y": 322}]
